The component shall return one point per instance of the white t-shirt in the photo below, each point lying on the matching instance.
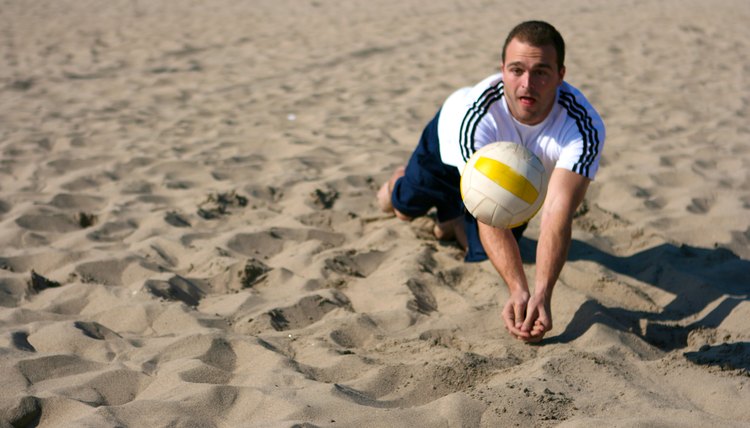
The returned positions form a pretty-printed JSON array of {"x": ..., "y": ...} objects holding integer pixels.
[{"x": 571, "y": 137}]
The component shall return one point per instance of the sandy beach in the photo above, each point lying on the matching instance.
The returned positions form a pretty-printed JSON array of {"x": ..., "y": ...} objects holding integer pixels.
[{"x": 189, "y": 235}]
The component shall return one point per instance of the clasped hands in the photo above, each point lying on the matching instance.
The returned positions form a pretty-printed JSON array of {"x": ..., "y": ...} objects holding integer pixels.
[{"x": 527, "y": 317}]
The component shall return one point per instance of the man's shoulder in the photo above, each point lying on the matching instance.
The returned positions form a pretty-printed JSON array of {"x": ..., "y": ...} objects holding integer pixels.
[
  {"x": 481, "y": 94},
  {"x": 460, "y": 114},
  {"x": 571, "y": 97},
  {"x": 492, "y": 84},
  {"x": 577, "y": 107}
]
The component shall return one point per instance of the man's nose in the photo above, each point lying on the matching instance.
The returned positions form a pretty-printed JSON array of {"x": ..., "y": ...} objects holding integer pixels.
[{"x": 526, "y": 80}]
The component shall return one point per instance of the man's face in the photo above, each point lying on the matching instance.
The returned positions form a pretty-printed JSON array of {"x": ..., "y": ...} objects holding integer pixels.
[{"x": 531, "y": 78}]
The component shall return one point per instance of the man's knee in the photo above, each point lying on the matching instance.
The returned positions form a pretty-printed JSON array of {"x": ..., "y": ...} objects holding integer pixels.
[
  {"x": 385, "y": 193},
  {"x": 402, "y": 216}
]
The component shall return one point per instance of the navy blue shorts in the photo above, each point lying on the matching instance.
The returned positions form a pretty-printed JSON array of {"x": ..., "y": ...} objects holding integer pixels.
[{"x": 429, "y": 183}]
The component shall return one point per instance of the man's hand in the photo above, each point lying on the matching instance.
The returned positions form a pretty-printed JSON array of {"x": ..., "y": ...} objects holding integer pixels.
[
  {"x": 514, "y": 314},
  {"x": 527, "y": 318},
  {"x": 538, "y": 319}
]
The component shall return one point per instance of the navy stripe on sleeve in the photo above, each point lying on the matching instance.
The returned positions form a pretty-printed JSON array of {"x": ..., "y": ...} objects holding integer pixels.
[
  {"x": 473, "y": 117},
  {"x": 589, "y": 133}
]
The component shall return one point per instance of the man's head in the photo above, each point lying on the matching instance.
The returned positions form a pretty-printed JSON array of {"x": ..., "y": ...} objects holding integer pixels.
[
  {"x": 538, "y": 33},
  {"x": 533, "y": 68}
]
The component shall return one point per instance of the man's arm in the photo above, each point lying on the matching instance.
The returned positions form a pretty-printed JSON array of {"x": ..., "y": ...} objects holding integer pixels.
[
  {"x": 502, "y": 249},
  {"x": 529, "y": 317},
  {"x": 564, "y": 194}
]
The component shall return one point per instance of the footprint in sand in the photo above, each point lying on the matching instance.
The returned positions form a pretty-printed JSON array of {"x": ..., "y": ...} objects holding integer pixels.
[
  {"x": 253, "y": 272},
  {"x": 204, "y": 373},
  {"x": 262, "y": 245},
  {"x": 4, "y": 207},
  {"x": 649, "y": 201},
  {"x": 326, "y": 219},
  {"x": 22, "y": 411},
  {"x": 20, "y": 340},
  {"x": 700, "y": 205},
  {"x": 110, "y": 388},
  {"x": 266, "y": 244},
  {"x": 95, "y": 330},
  {"x": 213, "y": 351},
  {"x": 258, "y": 196},
  {"x": 220, "y": 204},
  {"x": 176, "y": 219},
  {"x": 307, "y": 310},
  {"x": 177, "y": 288},
  {"x": 113, "y": 231},
  {"x": 48, "y": 222},
  {"x": 355, "y": 334},
  {"x": 324, "y": 199},
  {"x": 355, "y": 264},
  {"x": 43, "y": 261},
  {"x": 45, "y": 367},
  {"x": 424, "y": 301},
  {"x": 106, "y": 272},
  {"x": 78, "y": 202}
]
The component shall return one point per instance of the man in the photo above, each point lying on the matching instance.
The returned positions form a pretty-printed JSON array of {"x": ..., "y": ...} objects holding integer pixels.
[{"x": 530, "y": 104}]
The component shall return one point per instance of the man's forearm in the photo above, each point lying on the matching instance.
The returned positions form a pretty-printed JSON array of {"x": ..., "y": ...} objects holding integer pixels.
[
  {"x": 565, "y": 193},
  {"x": 502, "y": 249},
  {"x": 552, "y": 251}
]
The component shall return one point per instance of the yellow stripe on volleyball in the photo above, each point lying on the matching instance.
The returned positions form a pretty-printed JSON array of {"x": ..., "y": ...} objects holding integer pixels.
[{"x": 505, "y": 177}]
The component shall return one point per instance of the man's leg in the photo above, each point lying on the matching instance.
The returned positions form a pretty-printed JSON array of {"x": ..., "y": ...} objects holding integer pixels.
[
  {"x": 452, "y": 230},
  {"x": 445, "y": 231},
  {"x": 385, "y": 192},
  {"x": 425, "y": 182}
]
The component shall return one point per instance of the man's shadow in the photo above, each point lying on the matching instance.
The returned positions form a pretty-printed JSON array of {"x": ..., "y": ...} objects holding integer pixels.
[{"x": 697, "y": 277}]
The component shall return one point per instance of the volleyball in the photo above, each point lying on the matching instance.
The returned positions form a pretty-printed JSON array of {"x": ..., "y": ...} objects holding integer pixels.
[{"x": 503, "y": 184}]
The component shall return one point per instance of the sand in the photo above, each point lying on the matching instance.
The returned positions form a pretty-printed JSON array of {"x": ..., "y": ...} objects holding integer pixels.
[{"x": 189, "y": 234}]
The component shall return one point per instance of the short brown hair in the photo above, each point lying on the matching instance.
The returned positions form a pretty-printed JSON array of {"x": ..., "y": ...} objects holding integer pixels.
[{"x": 538, "y": 33}]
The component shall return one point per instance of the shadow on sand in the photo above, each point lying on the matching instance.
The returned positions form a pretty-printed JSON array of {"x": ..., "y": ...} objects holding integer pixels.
[{"x": 697, "y": 277}]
